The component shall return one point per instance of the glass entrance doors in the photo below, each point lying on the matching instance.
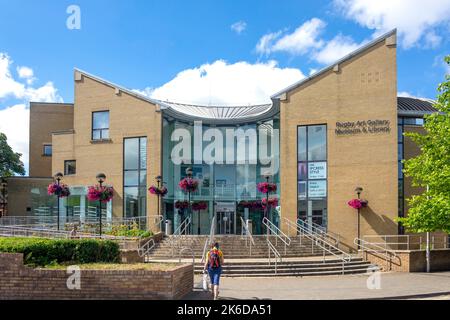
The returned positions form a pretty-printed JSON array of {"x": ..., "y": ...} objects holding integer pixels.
[{"x": 225, "y": 217}]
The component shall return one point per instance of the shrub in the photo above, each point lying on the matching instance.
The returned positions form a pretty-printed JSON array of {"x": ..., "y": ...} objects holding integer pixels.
[
  {"x": 41, "y": 252},
  {"x": 123, "y": 230}
]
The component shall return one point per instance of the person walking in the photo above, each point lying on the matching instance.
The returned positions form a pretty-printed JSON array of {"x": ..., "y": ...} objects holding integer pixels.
[{"x": 214, "y": 262}]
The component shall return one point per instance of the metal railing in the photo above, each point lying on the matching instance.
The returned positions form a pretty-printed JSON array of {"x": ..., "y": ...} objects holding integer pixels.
[
  {"x": 274, "y": 230},
  {"x": 157, "y": 221},
  {"x": 181, "y": 230},
  {"x": 380, "y": 251},
  {"x": 319, "y": 240},
  {"x": 210, "y": 239},
  {"x": 275, "y": 252},
  {"x": 193, "y": 257},
  {"x": 249, "y": 241},
  {"x": 320, "y": 230},
  {"x": 13, "y": 231},
  {"x": 408, "y": 241},
  {"x": 145, "y": 249}
]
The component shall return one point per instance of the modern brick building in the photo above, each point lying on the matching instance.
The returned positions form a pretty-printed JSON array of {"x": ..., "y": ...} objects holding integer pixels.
[{"x": 318, "y": 140}]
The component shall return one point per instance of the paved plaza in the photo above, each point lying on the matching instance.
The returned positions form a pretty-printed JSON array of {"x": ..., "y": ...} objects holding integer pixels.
[{"x": 393, "y": 286}]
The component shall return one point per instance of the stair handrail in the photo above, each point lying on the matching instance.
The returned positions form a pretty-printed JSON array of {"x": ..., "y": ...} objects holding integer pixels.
[
  {"x": 385, "y": 253},
  {"x": 276, "y": 254},
  {"x": 275, "y": 230},
  {"x": 210, "y": 239},
  {"x": 158, "y": 219},
  {"x": 320, "y": 230},
  {"x": 322, "y": 243},
  {"x": 178, "y": 233},
  {"x": 146, "y": 247},
  {"x": 248, "y": 235}
]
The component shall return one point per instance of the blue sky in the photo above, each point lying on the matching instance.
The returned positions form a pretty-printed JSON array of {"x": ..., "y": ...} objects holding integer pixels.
[{"x": 188, "y": 51}]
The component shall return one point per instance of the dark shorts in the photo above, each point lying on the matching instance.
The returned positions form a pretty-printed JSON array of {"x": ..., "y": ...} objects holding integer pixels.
[{"x": 214, "y": 275}]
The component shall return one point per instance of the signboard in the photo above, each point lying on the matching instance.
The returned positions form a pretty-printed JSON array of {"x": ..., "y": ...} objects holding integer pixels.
[
  {"x": 377, "y": 126},
  {"x": 317, "y": 170},
  {"x": 317, "y": 188}
]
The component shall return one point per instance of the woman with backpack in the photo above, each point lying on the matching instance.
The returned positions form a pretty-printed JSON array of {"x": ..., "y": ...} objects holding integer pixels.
[{"x": 214, "y": 262}]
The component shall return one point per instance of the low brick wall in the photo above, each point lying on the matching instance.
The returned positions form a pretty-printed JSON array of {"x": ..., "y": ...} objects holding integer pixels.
[
  {"x": 21, "y": 282},
  {"x": 412, "y": 260}
]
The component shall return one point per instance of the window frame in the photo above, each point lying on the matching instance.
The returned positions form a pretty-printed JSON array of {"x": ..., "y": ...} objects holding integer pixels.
[
  {"x": 307, "y": 161},
  {"x": 43, "y": 150},
  {"x": 65, "y": 171},
  {"x": 139, "y": 170},
  {"x": 100, "y": 129}
]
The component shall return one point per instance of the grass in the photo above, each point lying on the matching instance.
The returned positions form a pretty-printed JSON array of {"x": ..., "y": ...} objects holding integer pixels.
[{"x": 116, "y": 266}]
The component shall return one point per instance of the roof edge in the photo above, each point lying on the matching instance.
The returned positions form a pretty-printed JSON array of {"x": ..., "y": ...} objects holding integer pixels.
[
  {"x": 120, "y": 87},
  {"x": 329, "y": 67}
]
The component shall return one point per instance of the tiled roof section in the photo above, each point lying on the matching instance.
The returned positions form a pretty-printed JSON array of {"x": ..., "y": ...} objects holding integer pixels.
[
  {"x": 218, "y": 112},
  {"x": 408, "y": 104}
]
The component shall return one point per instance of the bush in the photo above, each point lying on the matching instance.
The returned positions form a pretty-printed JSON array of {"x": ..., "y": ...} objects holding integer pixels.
[
  {"x": 123, "y": 230},
  {"x": 42, "y": 252}
]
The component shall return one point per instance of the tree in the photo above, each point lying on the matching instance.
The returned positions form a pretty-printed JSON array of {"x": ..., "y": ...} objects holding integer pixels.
[
  {"x": 430, "y": 211},
  {"x": 10, "y": 162}
]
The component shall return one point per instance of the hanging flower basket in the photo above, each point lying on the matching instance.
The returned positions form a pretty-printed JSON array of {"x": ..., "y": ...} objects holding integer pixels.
[
  {"x": 61, "y": 190},
  {"x": 188, "y": 185},
  {"x": 181, "y": 204},
  {"x": 266, "y": 187},
  {"x": 158, "y": 191},
  {"x": 358, "y": 203},
  {"x": 97, "y": 193},
  {"x": 273, "y": 202},
  {"x": 254, "y": 204},
  {"x": 199, "y": 205}
]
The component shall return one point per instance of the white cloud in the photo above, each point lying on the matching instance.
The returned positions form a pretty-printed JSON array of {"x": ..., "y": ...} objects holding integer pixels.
[
  {"x": 335, "y": 49},
  {"x": 26, "y": 73},
  {"x": 303, "y": 39},
  {"x": 306, "y": 40},
  {"x": 11, "y": 88},
  {"x": 239, "y": 83},
  {"x": 14, "y": 122},
  {"x": 417, "y": 21},
  {"x": 405, "y": 94},
  {"x": 239, "y": 26}
]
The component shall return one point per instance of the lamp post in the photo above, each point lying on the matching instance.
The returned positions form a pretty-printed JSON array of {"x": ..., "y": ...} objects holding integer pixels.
[
  {"x": 58, "y": 176},
  {"x": 358, "y": 191},
  {"x": 3, "y": 185},
  {"x": 158, "y": 181},
  {"x": 189, "y": 175},
  {"x": 101, "y": 177}
]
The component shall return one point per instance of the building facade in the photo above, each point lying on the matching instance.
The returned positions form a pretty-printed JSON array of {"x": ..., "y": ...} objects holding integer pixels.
[{"x": 317, "y": 140}]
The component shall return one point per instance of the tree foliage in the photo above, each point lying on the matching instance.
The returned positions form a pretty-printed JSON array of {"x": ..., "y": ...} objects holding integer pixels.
[
  {"x": 430, "y": 211},
  {"x": 10, "y": 162}
]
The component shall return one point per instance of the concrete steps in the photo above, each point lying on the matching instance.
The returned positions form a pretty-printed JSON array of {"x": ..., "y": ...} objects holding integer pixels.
[{"x": 302, "y": 257}]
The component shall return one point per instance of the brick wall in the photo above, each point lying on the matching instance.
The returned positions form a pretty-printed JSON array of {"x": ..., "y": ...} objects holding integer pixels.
[
  {"x": 412, "y": 260},
  {"x": 20, "y": 282}
]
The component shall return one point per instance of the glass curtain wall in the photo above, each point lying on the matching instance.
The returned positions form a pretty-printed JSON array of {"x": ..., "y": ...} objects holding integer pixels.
[{"x": 227, "y": 187}]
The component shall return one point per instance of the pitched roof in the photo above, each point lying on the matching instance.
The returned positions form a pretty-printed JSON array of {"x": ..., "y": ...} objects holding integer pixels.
[{"x": 343, "y": 59}]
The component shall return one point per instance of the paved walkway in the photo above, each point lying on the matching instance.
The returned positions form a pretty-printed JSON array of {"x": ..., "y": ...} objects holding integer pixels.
[{"x": 393, "y": 285}]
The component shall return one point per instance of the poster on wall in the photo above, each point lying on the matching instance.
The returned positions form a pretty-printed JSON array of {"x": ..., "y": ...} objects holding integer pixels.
[
  {"x": 317, "y": 170},
  {"x": 317, "y": 189}
]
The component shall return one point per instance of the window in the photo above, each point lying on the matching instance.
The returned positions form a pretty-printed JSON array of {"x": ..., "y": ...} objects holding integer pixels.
[
  {"x": 70, "y": 167},
  {"x": 100, "y": 125},
  {"x": 47, "y": 150},
  {"x": 413, "y": 121},
  {"x": 135, "y": 176},
  {"x": 312, "y": 173}
]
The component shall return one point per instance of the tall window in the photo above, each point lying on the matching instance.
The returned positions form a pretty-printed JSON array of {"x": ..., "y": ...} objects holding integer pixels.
[
  {"x": 100, "y": 125},
  {"x": 312, "y": 173},
  {"x": 135, "y": 176},
  {"x": 47, "y": 150}
]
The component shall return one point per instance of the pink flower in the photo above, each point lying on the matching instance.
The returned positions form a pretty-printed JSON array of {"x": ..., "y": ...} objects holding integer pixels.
[
  {"x": 200, "y": 205},
  {"x": 266, "y": 187},
  {"x": 358, "y": 203},
  {"x": 97, "y": 193},
  {"x": 158, "y": 191},
  {"x": 61, "y": 190},
  {"x": 273, "y": 202},
  {"x": 188, "y": 185}
]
